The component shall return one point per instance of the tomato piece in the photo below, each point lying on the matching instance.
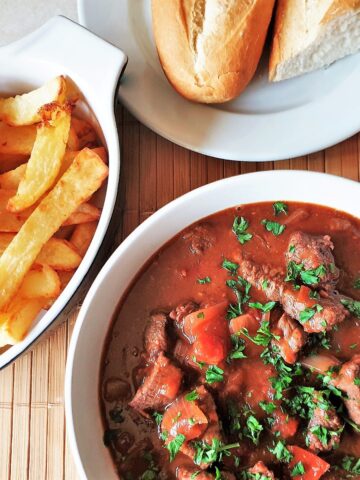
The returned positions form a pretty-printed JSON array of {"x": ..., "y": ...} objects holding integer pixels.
[
  {"x": 314, "y": 466},
  {"x": 244, "y": 321},
  {"x": 184, "y": 417},
  {"x": 170, "y": 387},
  {"x": 207, "y": 329},
  {"x": 303, "y": 296},
  {"x": 287, "y": 426}
]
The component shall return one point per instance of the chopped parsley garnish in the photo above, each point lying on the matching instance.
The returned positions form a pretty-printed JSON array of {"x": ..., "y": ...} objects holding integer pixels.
[
  {"x": 308, "y": 313},
  {"x": 351, "y": 465},
  {"x": 200, "y": 315},
  {"x": 357, "y": 283},
  {"x": 195, "y": 474},
  {"x": 280, "y": 207},
  {"x": 230, "y": 266},
  {"x": 192, "y": 396},
  {"x": 158, "y": 417},
  {"x": 214, "y": 374},
  {"x": 319, "y": 340},
  {"x": 237, "y": 351},
  {"x": 239, "y": 227},
  {"x": 297, "y": 271},
  {"x": 353, "y": 345},
  {"x": 199, "y": 364},
  {"x": 263, "y": 335},
  {"x": 253, "y": 429},
  {"x": 263, "y": 307},
  {"x": 281, "y": 452},
  {"x": 357, "y": 381},
  {"x": 264, "y": 284},
  {"x": 273, "y": 227},
  {"x": 323, "y": 434},
  {"x": 298, "y": 470},
  {"x": 241, "y": 289},
  {"x": 205, "y": 453},
  {"x": 292, "y": 249},
  {"x": 151, "y": 473},
  {"x": 268, "y": 407},
  {"x": 352, "y": 305},
  {"x": 175, "y": 445},
  {"x": 285, "y": 372},
  {"x": 203, "y": 281}
]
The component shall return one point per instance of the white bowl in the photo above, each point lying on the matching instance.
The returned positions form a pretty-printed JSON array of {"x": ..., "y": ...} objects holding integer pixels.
[
  {"x": 84, "y": 423},
  {"x": 63, "y": 47}
]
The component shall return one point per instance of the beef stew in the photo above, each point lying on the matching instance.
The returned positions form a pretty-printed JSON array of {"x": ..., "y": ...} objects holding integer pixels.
[{"x": 235, "y": 353}]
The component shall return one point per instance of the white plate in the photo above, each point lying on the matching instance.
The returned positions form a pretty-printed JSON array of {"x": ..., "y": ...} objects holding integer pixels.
[
  {"x": 267, "y": 122},
  {"x": 84, "y": 423}
]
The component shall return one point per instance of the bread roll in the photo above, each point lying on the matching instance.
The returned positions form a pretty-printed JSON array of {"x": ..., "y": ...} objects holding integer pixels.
[
  {"x": 311, "y": 34},
  {"x": 209, "y": 49}
]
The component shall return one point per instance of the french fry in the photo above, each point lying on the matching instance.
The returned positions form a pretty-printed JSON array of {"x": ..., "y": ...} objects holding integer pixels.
[
  {"x": 12, "y": 178},
  {"x": 73, "y": 141},
  {"x": 40, "y": 282},
  {"x": 79, "y": 182},
  {"x": 56, "y": 253},
  {"x": 24, "y": 109},
  {"x": 45, "y": 160},
  {"x": 82, "y": 236},
  {"x": 17, "y": 140},
  {"x": 16, "y": 321},
  {"x": 85, "y": 213}
]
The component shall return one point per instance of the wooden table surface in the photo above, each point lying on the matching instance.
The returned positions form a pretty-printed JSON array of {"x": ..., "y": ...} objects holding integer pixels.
[{"x": 154, "y": 171}]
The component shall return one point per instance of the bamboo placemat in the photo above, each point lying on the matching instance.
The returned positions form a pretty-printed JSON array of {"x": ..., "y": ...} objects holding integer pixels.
[{"x": 154, "y": 171}]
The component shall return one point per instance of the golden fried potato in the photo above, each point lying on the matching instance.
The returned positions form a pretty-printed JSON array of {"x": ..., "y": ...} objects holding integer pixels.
[
  {"x": 73, "y": 143},
  {"x": 10, "y": 161},
  {"x": 40, "y": 282},
  {"x": 45, "y": 160},
  {"x": 56, "y": 253},
  {"x": 85, "y": 213},
  {"x": 82, "y": 236},
  {"x": 24, "y": 109},
  {"x": 10, "y": 180},
  {"x": 17, "y": 140},
  {"x": 79, "y": 182}
]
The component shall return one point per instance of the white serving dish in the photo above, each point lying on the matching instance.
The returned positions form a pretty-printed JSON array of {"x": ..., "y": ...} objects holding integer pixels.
[
  {"x": 84, "y": 423},
  {"x": 268, "y": 121},
  {"x": 63, "y": 47}
]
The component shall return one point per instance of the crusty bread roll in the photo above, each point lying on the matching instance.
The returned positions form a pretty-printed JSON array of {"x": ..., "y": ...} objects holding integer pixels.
[
  {"x": 311, "y": 34},
  {"x": 209, "y": 49}
]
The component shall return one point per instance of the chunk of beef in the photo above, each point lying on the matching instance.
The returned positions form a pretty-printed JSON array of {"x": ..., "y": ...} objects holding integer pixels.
[
  {"x": 348, "y": 381},
  {"x": 182, "y": 310},
  {"x": 312, "y": 251},
  {"x": 331, "y": 312},
  {"x": 200, "y": 238},
  {"x": 328, "y": 313},
  {"x": 329, "y": 420},
  {"x": 261, "y": 468},
  {"x": 155, "y": 336},
  {"x": 292, "y": 338},
  {"x": 183, "y": 352},
  {"x": 259, "y": 275},
  {"x": 160, "y": 387}
]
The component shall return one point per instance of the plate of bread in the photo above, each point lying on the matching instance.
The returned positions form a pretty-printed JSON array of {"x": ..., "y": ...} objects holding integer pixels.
[{"x": 249, "y": 80}]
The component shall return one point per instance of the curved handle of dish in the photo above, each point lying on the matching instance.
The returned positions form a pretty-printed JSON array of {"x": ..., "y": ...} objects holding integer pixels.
[{"x": 88, "y": 57}]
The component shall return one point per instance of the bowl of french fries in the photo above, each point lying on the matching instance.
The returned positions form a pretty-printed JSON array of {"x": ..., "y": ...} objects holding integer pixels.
[{"x": 59, "y": 171}]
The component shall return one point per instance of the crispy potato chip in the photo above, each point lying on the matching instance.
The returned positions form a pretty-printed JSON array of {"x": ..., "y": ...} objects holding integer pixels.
[
  {"x": 56, "y": 253},
  {"x": 78, "y": 183},
  {"x": 24, "y": 109},
  {"x": 12, "y": 178},
  {"x": 45, "y": 160},
  {"x": 40, "y": 282},
  {"x": 17, "y": 140},
  {"x": 85, "y": 213},
  {"x": 16, "y": 321},
  {"x": 82, "y": 236}
]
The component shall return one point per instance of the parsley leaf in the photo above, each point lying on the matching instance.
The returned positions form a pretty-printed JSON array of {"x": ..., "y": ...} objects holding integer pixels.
[
  {"x": 192, "y": 396},
  {"x": 313, "y": 276},
  {"x": 158, "y": 417},
  {"x": 175, "y": 445},
  {"x": 352, "y": 305},
  {"x": 263, "y": 307},
  {"x": 205, "y": 453},
  {"x": 204, "y": 280},
  {"x": 357, "y": 283},
  {"x": 351, "y": 465},
  {"x": 280, "y": 207},
  {"x": 298, "y": 470},
  {"x": 239, "y": 227},
  {"x": 253, "y": 429},
  {"x": 274, "y": 227},
  {"x": 237, "y": 351},
  {"x": 230, "y": 266},
  {"x": 292, "y": 249},
  {"x": 263, "y": 335},
  {"x": 281, "y": 452},
  {"x": 268, "y": 407},
  {"x": 308, "y": 313},
  {"x": 241, "y": 289},
  {"x": 214, "y": 374}
]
